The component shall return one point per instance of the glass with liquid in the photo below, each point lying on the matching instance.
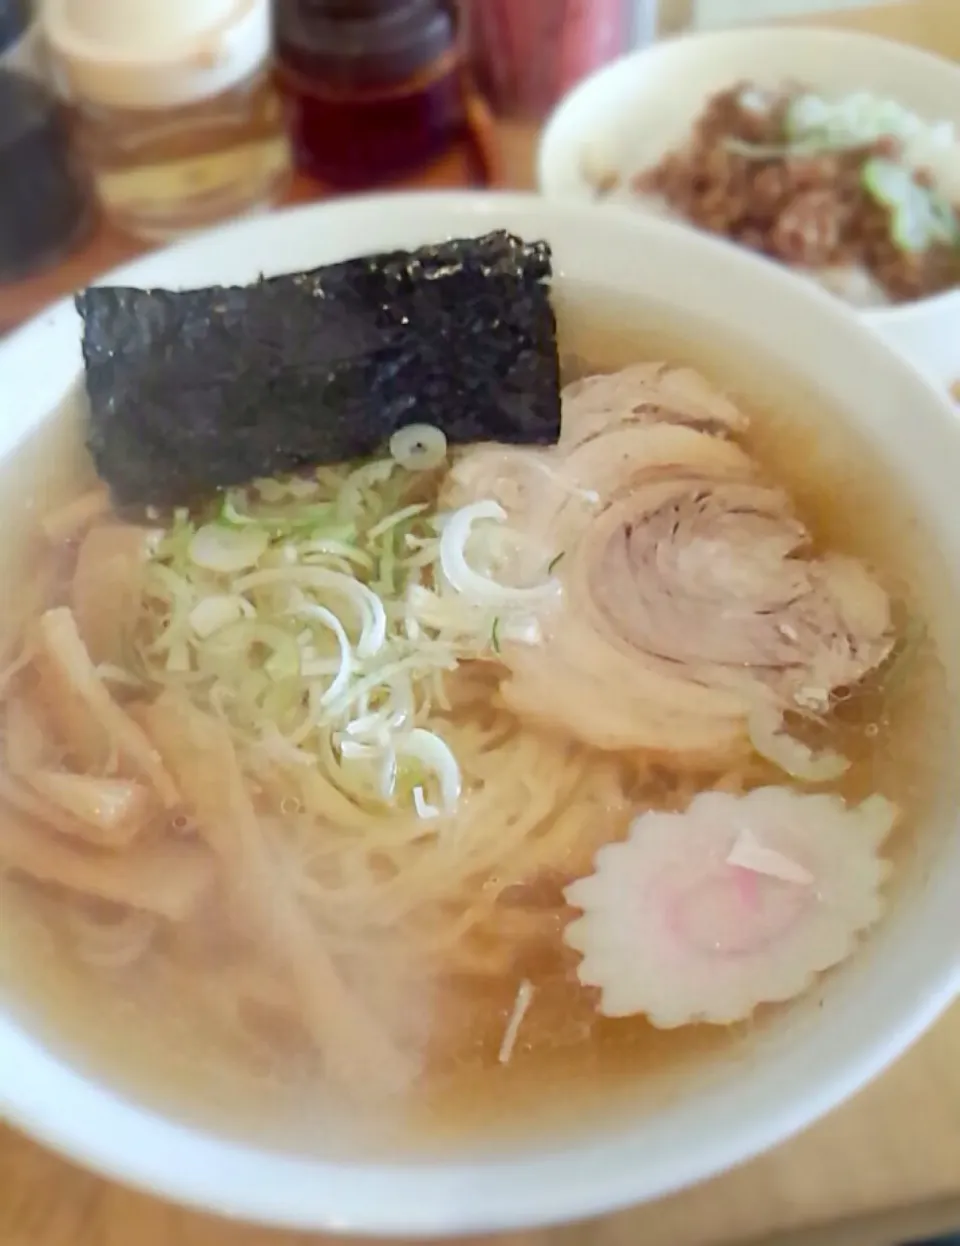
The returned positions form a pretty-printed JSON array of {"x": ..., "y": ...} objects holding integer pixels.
[
  {"x": 374, "y": 89},
  {"x": 527, "y": 54},
  {"x": 178, "y": 117}
]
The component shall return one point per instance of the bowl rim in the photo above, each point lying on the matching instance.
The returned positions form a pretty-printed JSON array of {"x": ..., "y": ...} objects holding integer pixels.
[
  {"x": 429, "y": 1199},
  {"x": 549, "y": 154}
]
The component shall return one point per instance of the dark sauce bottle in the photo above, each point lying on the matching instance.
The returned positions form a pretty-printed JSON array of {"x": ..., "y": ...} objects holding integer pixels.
[
  {"x": 45, "y": 196},
  {"x": 375, "y": 89}
]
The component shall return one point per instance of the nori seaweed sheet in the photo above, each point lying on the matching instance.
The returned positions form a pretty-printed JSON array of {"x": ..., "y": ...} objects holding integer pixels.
[{"x": 199, "y": 389}]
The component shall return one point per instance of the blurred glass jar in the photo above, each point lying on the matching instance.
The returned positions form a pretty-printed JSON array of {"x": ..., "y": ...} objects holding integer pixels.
[
  {"x": 45, "y": 201},
  {"x": 178, "y": 116},
  {"x": 527, "y": 54},
  {"x": 375, "y": 89}
]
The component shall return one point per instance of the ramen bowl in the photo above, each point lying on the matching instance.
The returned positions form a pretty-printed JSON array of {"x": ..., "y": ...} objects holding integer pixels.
[
  {"x": 627, "y": 116},
  {"x": 795, "y": 1065}
]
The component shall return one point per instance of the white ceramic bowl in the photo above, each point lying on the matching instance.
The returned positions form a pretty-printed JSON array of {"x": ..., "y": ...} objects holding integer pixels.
[
  {"x": 812, "y": 1056},
  {"x": 628, "y": 115}
]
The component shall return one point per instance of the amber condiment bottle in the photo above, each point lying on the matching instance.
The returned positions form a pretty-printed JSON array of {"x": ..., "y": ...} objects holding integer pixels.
[{"x": 374, "y": 89}]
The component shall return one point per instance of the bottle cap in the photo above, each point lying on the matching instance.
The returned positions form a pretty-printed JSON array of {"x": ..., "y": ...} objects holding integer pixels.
[
  {"x": 155, "y": 53},
  {"x": 363, "y": 43}
]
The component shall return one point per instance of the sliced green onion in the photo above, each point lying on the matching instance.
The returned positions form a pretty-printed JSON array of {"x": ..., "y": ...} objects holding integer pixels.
[
  {"x": 329, "y": 620},
  {"x": 210, "y": 614},
  {"x": 419, "y": 447},
  {"x": 481, "y": 589},
  {"x": 272, "y": 613},
  {"x": 217, "y": 547},
  {"x": 299, "y": 518},
  {"x": 433, "y": 753},
  {"x": 391, "y": 521}
]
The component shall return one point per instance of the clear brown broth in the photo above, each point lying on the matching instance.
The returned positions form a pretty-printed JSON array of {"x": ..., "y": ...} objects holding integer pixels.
[{"x": 150, "y": 1043}]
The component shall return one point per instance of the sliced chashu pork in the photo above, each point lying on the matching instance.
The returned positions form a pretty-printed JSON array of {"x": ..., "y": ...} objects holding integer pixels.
[
  {"x": 647, "y": 393},
  {"x": 689, "y": 593}
]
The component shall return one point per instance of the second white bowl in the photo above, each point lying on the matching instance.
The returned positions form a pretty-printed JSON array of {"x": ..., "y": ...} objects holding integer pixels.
[{"x": 631, "y": 113}]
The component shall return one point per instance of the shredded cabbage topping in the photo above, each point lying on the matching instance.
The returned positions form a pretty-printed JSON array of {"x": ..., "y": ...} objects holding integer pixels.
[
  {"x": 319, "y": 615},
  {"x": 813, "y": 125},
  {"x": 920, "y": 215},
  {"x": 859, "y": 119}
]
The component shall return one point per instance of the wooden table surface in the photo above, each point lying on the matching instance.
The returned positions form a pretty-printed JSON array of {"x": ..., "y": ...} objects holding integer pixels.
[{"x": 881, "y": 1169}]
